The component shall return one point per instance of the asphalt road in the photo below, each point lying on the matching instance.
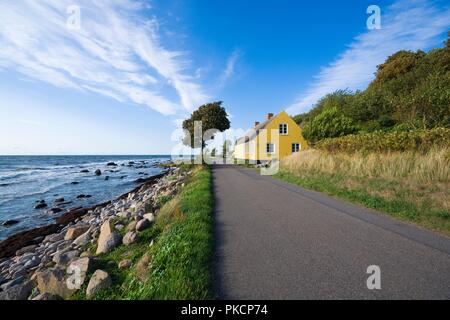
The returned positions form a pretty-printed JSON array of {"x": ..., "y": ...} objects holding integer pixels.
[{"x": 278, "y": 241}]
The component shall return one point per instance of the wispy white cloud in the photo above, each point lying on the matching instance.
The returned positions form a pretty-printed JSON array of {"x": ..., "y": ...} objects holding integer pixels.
[
  {"x": 230, "y": 67},
  {"x": 406, "y": 24},
  {"x": 117, "y": 52}
]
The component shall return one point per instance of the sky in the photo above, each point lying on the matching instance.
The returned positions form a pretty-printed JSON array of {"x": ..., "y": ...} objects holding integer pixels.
[{"x": 118, "y": 77}]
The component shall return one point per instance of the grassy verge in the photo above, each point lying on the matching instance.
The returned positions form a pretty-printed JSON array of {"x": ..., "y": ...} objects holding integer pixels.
[
  {"x": 180, "y": 257},
  {"x": 410, "y": 187}
]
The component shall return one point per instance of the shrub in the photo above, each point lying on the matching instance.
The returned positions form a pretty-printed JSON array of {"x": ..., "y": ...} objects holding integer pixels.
[{"x": 330, "y": 123}]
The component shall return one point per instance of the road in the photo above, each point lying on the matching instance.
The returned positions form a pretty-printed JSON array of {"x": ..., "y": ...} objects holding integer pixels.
[{"x": 278, "y": 241}]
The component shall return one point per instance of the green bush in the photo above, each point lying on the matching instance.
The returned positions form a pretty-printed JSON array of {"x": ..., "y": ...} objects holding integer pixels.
[
  {"x": 379, "y": 141},
  {"x": 330, "y": 123}
]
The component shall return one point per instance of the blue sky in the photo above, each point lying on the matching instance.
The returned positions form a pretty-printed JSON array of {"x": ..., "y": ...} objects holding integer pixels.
[{"x": 122, "y": 82}]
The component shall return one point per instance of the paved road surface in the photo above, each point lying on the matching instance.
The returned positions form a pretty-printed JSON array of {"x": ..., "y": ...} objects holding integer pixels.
[{"x": 278, "y": 241}]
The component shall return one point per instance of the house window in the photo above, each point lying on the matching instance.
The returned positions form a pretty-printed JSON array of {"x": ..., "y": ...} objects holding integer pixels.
[
  {"x": 269, "y": 148},
  {"x": 295, "y": 147},
  {"x": 283, "y": 128}
]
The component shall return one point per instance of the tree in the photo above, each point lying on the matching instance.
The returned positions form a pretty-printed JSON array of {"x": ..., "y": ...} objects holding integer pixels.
[
  {"x": 329, "y": 124},
  {"x": 212, "y": 116}
]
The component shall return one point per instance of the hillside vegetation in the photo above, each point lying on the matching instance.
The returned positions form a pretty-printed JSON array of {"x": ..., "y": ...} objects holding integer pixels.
[
  {"x": 411, "y": 90},
  {"x": 386, "y": 147}
]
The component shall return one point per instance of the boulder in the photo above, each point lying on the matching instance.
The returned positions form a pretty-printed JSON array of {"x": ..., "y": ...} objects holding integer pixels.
[
  {"x": 108, "y": 239},
  {"x": 84, "y": 171},
  {"x": 130, "y": 238},
  {"x": 149, "y": 216},
  {"x": 75, "y": 231},
  {"x": 59, "y": 200},
  {"x": 26, "y": 249},
  {"x": 41, "y": 206},
  {"x": 142, "y": 224},
  {"x": 9, "y": 223},
  {"x": 111, "y": 164},
  {"x": 98, "y": 172},
  {"x": 63, "y": 258},
  {"x": 80, "y": 267},
  {"x": 75, "y": 182},
  {"x": 54, "y": 210},
  {"x": 53, "y": 281},
  {"x": 83, "y": 240},
  {"x": 125, "y": 264},
  {"x": 100, "y": 280},
  {"x": 18, "y": 292}
]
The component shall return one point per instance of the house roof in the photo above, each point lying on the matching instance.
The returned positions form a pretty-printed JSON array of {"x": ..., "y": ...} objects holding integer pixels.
[{"x": 250, "y": 134}]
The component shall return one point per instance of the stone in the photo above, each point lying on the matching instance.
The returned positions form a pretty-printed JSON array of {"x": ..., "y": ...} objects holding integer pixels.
[
  {"x": 80, "y": 267},
  {"x": 98, "y": 172},
  {"x": 83, "y": 240},
  {"x": 84, "y": 171},
  {"x": 75, "y": 182},
  {"x": 75, "y": 231},
  {"x": 124, "y": 214},
  {"x": 119, "y": 226},
  {"x": 26, "y": 249},
  {"x": 59, "y": 200},
  {"x": 46, "y": 296},
  {"x": 53, "y": 281},
  {"x": 54, "y": 210},
  {"x": 125, "y": 264},
  {"x": 12, "y": 283},
  {"x": 63, "y": 258},
  {"x": 142, "y": 225},
  {"x": 18, "y": 292},
  {"x": 111, "y": 164},
  {"x": 100, "y": 280},
  {"x": 130, "y": 238},
  {"x": 108, "y": 239},
  {"x": 106, "y": 178},
  {"x": 9, "y": 223},
  {"x": 41, "y": 206},
  {"x": 149, "y": 216}
]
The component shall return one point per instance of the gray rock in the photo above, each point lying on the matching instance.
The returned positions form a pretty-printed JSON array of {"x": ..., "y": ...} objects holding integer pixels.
[
  {"x": 26, "y": 249},
  {"x": 83, "y": 239},
  {"x": 80, "y": 267},
  {"x": 130, "y": 238},
  {"x": 100, "y": 280},
  {"x": 17, "y": 292},
  {"x": 149, "y": 216},
  {"x": 142, "y": 225},
  {"x": 98, "y": 172},
  {"x": 63, "y": 258},
  {"x": 53, "y": 281},
  {"x": 12, "y": 283},
  {"x": 108, "y": 239}
]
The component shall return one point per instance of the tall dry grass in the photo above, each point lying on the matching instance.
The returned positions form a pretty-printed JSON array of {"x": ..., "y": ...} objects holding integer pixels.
[{"x": 411, "y": 167}]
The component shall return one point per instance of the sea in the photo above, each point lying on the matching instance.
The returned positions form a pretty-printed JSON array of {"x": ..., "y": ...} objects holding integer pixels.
[{"x": 27, "y": 180}]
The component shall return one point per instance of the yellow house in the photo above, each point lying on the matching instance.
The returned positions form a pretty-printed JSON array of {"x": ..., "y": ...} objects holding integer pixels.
[{"x": 275, "y": 138}]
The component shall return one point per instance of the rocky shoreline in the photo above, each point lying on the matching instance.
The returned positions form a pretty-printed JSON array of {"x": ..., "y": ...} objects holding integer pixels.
[{"x": 52, "y": 262}]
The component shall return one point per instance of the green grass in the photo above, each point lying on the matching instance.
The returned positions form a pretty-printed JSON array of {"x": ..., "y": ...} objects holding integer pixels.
[
  {"x": 180, "y": 265},
  {"x": 397, "y": 205}
]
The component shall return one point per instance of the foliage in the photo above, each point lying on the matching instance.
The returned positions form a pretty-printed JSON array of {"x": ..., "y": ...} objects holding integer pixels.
[
  {"x": 212, "y": 115},
  {"x": 330, "y": 123},
  {"x": 410, "y": 89},
  {"x": 380, "y": 141}
]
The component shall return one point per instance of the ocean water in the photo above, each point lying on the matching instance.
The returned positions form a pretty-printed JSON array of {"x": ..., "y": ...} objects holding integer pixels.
[{"x": 25, "y": 180}]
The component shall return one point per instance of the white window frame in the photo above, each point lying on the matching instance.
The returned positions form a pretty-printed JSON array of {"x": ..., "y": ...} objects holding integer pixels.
[
  {"x": 268, "y": 149},
  {"x": 293, "y": 149},
  {"x": 281, "y": 129}
]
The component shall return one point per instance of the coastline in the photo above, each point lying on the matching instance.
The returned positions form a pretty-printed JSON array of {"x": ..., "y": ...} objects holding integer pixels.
[
  {"x": 17, "y": 241},
  {"x": 36, "y": 263}
]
